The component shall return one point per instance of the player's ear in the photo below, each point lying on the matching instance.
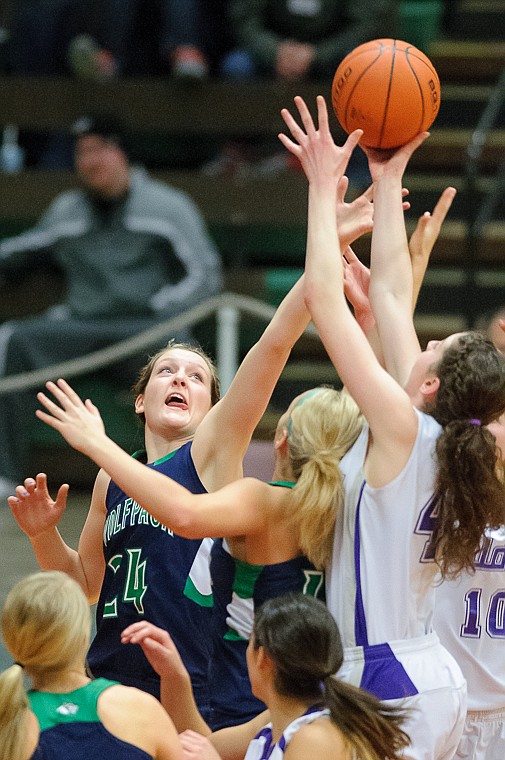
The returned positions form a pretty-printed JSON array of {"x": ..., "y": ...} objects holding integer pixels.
[
  {"x": 281, "y": 439},
  {"x": 429, "y": 388},
  {"x": 139, "y": 404}
]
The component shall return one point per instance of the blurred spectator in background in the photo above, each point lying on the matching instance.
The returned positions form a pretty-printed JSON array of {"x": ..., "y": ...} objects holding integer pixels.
[
  {"x": 132, "y": 251},
  {"x": 301, "y": 39},
  {"x": 142, "y": 37}
]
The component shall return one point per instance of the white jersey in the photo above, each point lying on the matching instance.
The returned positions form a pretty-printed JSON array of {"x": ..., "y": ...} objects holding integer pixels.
[
  {"x": 380, "y": 589},
  {"x": 380, "y": 583},
  {"x": 470, "y": 622},
  {"x": 261, "y": 747}
]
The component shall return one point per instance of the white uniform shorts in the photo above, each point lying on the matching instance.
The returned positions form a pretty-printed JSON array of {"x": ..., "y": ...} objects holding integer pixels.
[
  {"x": 437, "y": 694},
  {"x": 483, "y": 737}
]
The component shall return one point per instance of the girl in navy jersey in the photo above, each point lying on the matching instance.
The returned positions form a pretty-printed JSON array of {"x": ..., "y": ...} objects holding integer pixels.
[
  {"x": 46, "y": 627},
  {"x": 278, "y": 535}
]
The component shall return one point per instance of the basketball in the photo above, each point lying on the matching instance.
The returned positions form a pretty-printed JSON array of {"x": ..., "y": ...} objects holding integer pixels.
[{"x": 387, "y": 88}]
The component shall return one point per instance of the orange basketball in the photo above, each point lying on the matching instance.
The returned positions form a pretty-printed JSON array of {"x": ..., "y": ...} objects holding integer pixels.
[{"x": 387, "y": 88}]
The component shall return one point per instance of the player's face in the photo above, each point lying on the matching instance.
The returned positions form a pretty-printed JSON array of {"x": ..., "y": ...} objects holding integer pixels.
[
  {"x": 177, "y": 395},
  {"x": 252, "y": 658},
  {"x": 428, "y": 361},
  {"x": 497, "y": 336},
  {"x": 101, "y": 165},
  {"x": 497, "y": 428}
]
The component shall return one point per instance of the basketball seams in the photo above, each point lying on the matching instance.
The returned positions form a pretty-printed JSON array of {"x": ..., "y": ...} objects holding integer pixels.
[
  {"x": 354, "y": 86},
  {"x": 421, "y": 91},
  {"x": 388, "y": 94}
]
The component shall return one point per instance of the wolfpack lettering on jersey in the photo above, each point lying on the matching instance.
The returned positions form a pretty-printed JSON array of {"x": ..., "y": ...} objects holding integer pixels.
[{"x": 152, "y": 574}]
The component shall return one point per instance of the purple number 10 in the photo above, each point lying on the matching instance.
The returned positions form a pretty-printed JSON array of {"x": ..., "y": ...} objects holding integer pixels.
[{"x": 495, "y": 616}]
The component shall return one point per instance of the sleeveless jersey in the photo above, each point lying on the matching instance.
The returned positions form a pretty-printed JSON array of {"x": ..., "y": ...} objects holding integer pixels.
[
  {"x": 152, "y": 574},
  {"x": 261, "y": 747},
  {"x": 380, "y": 585},
  {"x": 470, "y": 621},
  {"x": 70, "y": 726},
  {"x": 240, "y": 588}
]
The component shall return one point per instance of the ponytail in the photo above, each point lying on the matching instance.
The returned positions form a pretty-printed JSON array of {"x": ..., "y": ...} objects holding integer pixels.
[
  {"x": 322, "y": 427},
  {"x": 302, "y": 639},
  {"x": 470, "y": 492},
  {"x": 471, "y": 495},
  {"x": 13, "y": 711},
  {"x": 373, "y": 729}
]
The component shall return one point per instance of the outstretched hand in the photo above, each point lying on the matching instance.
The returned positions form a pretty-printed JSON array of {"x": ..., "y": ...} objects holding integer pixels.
[
  {"x": 429, "y": 225},
  {"x": 78, "y": 422},
  {"x": 356, "y": 285},
  {"x": 425, "y": 236},
  {"x": 392, "y": 162},
  {"x": 356, "y": 218},
  {"x": 158, "y": 647},
  {"x": 321, "y": 159},
  {"x": 33, "y": 508}
]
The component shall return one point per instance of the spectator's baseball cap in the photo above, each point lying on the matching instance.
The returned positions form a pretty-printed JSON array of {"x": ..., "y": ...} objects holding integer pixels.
[{"x": 104, "y": 125}]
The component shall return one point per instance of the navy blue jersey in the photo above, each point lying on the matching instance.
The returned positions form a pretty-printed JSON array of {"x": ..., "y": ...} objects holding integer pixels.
[
  {"x": 70, "y": 727},
  {"x": 155, "y": 575},
  {"x": 240, "y": 588}
]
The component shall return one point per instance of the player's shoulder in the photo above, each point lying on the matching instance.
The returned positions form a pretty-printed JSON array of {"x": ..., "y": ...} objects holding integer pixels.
[
  {"x": 128, "y": 700},
  {"x": 321, "y": 739}
]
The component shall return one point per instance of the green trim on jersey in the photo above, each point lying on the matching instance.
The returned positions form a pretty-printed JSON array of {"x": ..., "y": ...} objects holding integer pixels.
[
  {"x": 244, "y": 582},
  {"x": 282, "y": 483},
  {"x": 78, "y": 706},
  {"x": 142, "y": 453},
  {"x": 191, "y": 591}
]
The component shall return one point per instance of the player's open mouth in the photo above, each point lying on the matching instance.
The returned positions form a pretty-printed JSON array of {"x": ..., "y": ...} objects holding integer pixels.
[{"x": 176, "y": 400}]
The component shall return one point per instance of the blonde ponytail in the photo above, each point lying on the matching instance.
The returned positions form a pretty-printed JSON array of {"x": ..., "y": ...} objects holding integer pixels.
[
  {"x": 322, "y": 427},
  {"x": 13, "y": 712}
]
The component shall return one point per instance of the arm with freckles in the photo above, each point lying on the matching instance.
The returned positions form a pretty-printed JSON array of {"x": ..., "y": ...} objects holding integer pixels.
[
  {"x": 391, "y": 285},
  {"x": 233, "y": 420},
  {"x": 375, "y": 392},
  {"x": 38, "y": 516},
  {"x": 421, "y": 242},
  {"x": 240, "y": 508}
]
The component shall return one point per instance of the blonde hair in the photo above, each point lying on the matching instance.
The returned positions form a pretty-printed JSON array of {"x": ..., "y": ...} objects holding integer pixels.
[
  {"x": 13, "y": 712},
  {"x": 45, "y": 626},
  {"x": 322, "y": 427}
]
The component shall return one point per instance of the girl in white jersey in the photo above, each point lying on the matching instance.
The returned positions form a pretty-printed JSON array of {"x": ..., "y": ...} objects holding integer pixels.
[
  {"x": 293, "y": 652},
  {"x": 412, "y": 479},
  {"x": 469, "y": 620}
]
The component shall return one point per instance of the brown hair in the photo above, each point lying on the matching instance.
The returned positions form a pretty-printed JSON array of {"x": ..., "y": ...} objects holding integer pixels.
[
  {"x": 470, "y": 492},
  {"x": 147, "y": 370},
  {"x": 302, "y": 638}
]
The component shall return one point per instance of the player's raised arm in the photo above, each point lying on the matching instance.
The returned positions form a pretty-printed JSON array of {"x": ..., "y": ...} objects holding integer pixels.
[{"x": 374, "y": 391}]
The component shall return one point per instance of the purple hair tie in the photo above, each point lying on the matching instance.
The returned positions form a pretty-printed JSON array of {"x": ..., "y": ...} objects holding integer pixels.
[{"x": 475, "y": 422}]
